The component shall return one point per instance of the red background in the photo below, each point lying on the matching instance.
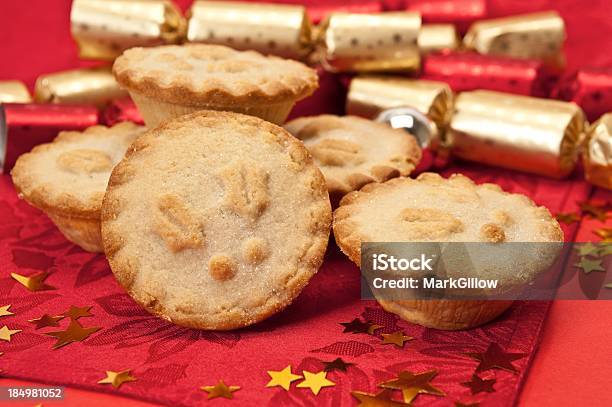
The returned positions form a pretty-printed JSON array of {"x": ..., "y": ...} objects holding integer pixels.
[{"x": 572, "y": 366}]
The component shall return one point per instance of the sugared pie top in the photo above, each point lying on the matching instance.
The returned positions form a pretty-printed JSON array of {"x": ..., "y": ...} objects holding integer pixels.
[
  {"x": 352, "y": 151},
  {"x": 216, "y": 220},
  {"x": 69, "y": 175},
  {"x": 197, "y": 74}
]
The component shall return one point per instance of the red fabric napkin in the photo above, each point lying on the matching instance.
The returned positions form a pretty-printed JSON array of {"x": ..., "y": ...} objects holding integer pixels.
[{"x": 171, "y": 362}]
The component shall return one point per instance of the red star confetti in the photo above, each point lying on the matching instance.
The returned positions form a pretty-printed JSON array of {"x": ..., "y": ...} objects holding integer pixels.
[
  {"x": 495, "y": 358},
  {"x": 336, "y": 364},
  {"x": 479, "y": 385},
  {"x": 75, "y": 313},
  {"x": 46, "y": 321},
  {"x": 356, "y": 326}
]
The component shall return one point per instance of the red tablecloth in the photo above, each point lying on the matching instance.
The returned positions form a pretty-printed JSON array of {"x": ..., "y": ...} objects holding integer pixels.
[{"x": 572, "y": 365}]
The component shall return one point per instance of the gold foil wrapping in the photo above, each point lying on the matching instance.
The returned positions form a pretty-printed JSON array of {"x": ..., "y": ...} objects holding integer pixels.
[
  {"x": 539, "y": 136},
  {"x": 530, "y": 36},
  {"x": 103, "y": 29},
  {"x": 370, "y": 42},
  {"x": 437, "y": 37},
  {"x": 597, "y": 155},
  {"x": 370, "y": 95},
  {"x": 95, "y": 86},
  {"x": 14, "y": 92},
  {"x": 277, "y": 29}
]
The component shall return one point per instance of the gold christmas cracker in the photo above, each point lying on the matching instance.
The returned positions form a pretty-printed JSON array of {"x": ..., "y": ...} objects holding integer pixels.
[
  {"x": 277, "y": 29},
  {"x": 530, "y": 36},
  {"x": 597, "y": 156},
  {"x": 370, "y": 42},
  {"x": 103, "y": 29},
  {"x": 369, "y": 95},
  {"x": 14, "y": 92},
  {"x": 437, "y": 37},
  {"x": 95, "y": 86},
  {"x": 539, "y": 136}
]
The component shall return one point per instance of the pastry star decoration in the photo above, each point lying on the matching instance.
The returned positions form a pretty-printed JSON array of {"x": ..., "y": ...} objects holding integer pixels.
[
  {"x": 413, "y": 384},
  {"x": 380, "y": 399},
  {"x": 315, "y": 381},
  {"x": 479, "y": 385},
  {"x": 116, "y": 379},
  {"x": 220, "y": 390},
  {"x": 282, "y": 378},
  {"x": 495, "y": 358},
  {"x": 34, "y": 282},
  {"x": 589, "y": 265},
  {"x": 4, "y": 310},
  {"x": 75, "y": 332},
  {"x": 6, "y": 333}
]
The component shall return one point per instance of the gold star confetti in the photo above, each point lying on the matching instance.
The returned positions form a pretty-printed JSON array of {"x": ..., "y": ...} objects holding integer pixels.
[
  {"x": 35, "y": 282},
  {"x": 4, "y": 310},
  {"x": 605, "y": 249},
  {"x": 605, "y": 234},
  {"x": 315, "y": 381},
  {"x": 609, "y": 285},
  {"x": 373, "y": 328},
  {"x": 495, "y": 358},
  {"x": 6, "y": 333},
  {"x": 220, "y": 390},
  {"x": 46, "y": 321},
  {"x": 479, "y": 385},
  {"x": 380, "y": 399},
  {"x": 282, "y": 378},
  {"x": 396, "y": 338},
  {"x": 588, "y": 265},
  {"x": 568, "y": 218},
  {"x": 356, "y": 326},
  {"x": 413, "y": 384},
  {"x": 75, "y": 313},
  {"x": 116, "y": 379},
  {"x": 74, "y": 333},
  {"x": 587, "y": 249},
  {"x": 336, "y": 364},
  {"x": 594, "y": 210}
]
